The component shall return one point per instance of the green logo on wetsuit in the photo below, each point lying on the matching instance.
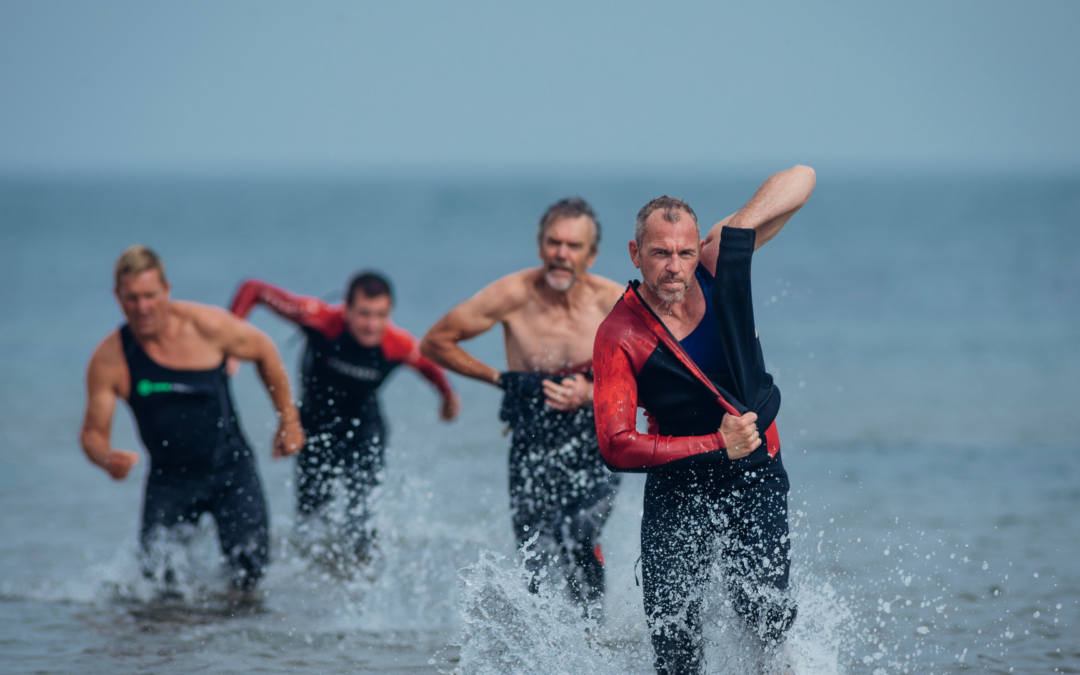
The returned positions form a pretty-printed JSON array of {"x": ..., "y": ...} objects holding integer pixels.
[{"x": 146, "y": 387}]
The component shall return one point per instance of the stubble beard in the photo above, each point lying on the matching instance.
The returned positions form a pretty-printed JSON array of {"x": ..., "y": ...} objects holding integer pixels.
[{"x": 666, "y": 297}]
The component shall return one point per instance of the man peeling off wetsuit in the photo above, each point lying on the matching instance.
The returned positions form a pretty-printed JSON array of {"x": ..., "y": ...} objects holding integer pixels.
[
  {"x": 168, "y": 363},
  {"x": 560, "y": 492},
  {"x": 351, "y": 349},
  {"x": 682, "y": 345}
]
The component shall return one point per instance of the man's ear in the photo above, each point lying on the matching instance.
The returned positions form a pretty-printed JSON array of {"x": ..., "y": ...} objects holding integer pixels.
[{"x": 634, "y": 254}]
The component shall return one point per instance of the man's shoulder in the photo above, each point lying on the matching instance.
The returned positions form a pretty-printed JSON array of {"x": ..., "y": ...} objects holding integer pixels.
[
  {"x": 511, "y": 291},
  {"x": 619, "y": 321},
  {"x": 108, "y": 355},
  {"x": 204, "y": 317},
  {"x": 604, "y": 290}
]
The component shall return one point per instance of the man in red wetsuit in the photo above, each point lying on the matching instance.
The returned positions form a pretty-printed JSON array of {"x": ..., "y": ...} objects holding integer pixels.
[
  {"x": 351, "y": 349},
  {"x": 682, "y": 345}
]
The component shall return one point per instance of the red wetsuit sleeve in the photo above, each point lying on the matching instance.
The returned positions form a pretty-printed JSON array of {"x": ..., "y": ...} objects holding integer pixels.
[
  {"x": 400, "y": 345},
  {"x": 615, "y": 395},
  {"x": 304, "y": 311}
]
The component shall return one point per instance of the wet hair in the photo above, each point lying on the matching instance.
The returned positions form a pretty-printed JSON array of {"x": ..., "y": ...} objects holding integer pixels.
[
  {"x": 570, "y": 207},
  {"x": 134, "y": 261},
  {"x": 371, "y": 284},
  {"x": 669, "y": 207}
]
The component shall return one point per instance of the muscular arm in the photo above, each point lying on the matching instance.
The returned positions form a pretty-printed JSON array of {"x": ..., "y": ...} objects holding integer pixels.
[
  {"x": 473, "y": 317},
  {"x": 104, "y": 376},
  {"x": 768, "y": 210},
  {"x": 240, "y": 340}
]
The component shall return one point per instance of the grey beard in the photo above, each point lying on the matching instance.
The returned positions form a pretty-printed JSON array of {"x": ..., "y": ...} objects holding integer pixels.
[{"x": 561, "y": 287}]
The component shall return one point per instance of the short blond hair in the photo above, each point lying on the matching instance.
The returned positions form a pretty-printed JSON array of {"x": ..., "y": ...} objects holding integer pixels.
[{"x": 136, "y": 260}]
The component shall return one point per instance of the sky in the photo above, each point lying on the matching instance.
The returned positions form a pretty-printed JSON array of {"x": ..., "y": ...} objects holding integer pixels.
[{"x": 256, "y": 87}]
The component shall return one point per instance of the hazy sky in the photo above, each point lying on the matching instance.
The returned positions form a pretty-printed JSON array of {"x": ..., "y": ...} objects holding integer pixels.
[{"x": 524, "y": 86}]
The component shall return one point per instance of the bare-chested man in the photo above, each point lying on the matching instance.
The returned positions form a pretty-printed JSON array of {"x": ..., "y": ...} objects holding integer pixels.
[
  {"x": 168, "y": 363},
  {"x": 560, "y": 491}
]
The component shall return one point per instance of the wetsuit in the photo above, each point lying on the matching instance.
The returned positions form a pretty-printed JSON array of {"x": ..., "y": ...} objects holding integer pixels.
[
  {"x": 560, "y": 490},
  {"x": 339, "y": 410},
  {"x": 700, "y": 506},
  {"x": 199, "y": 462}
]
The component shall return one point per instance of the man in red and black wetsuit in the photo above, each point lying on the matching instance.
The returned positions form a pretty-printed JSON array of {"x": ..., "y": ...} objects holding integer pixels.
[
  {"x": 683, "y": 346},
  {"x": 350, "y": 351}
]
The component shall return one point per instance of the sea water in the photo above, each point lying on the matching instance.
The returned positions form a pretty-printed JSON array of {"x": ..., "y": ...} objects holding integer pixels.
[{"x": 924, "y": 332}]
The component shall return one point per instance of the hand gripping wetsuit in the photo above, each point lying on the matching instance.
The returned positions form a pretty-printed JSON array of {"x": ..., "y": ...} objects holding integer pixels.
[
  {"x": 339, "y": 411},
  {"x": 199, "y": 461},
  {"x": 700, "y": 506},
  {"x": 559, "y": 488}
]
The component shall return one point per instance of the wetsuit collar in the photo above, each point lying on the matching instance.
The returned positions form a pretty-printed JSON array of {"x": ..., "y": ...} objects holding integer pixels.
[{"x": 636, "y": 304}]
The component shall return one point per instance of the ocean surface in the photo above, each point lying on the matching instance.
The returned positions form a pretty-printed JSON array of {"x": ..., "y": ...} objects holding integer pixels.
[{"x": 925, "y": 332}]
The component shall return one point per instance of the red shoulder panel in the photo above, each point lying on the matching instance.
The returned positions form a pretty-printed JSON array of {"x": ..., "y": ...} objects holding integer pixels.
[
  {"x": 623, "y": 343},
  {"x": 399, "y": 345}
]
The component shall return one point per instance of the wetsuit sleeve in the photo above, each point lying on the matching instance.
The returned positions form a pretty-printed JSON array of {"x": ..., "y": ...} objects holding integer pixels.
[
  {"x": 400, "y": 345},
  {"x": 615, "y": 395},
  {"x": 735, "y": 320},
  {"x": 301, "y": 310}
]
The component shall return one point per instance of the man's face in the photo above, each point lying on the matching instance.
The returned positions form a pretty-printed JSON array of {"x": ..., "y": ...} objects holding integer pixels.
[
  {"x": 567, "y": 251},
  {"x": 366, "y": 318},
  {"x": 144, "y": 300},
  {"x": 667, "y": 256}
]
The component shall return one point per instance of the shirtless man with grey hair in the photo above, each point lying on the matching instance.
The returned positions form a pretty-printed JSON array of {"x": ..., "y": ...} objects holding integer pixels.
[{"x": 560, "y": 491}]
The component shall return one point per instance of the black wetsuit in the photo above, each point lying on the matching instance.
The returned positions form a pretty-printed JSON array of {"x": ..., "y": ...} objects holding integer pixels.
[
  {"x": 694, "y": 518},
  {"x": 345, "y": 429},
  {"x": 560, "y": 490},
  {"x": 199, "y": 461},
  {"x": 702, "y": 510}
]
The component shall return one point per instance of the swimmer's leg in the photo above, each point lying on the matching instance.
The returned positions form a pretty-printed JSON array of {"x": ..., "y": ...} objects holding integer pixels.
[
  {"x": 363, "y": 471},
  {"x": 757, "y": 560},
  {"x": 676, "y": 549},
  {"x": 243, "y": 524},
  {"x": 315, "y": 467},
  {"x": 587, "y": 565},
  {"x": 170, "y": 509}
]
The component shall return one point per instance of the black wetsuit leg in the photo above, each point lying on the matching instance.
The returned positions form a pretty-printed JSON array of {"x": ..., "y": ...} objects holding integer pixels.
[
  {"x": 560, "y": 491},
  {"x": 682, "y": 535},
  {"x": 232, "y": 494},
  {"x": 354, "y": 465},
  {"x": 239, "y": 509}
]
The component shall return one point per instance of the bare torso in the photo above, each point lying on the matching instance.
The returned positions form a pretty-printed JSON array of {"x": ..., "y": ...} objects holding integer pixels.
[{"x": 550, "y": 332}]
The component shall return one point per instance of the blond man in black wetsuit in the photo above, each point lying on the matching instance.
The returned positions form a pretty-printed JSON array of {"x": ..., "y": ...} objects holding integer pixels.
[{"x": 168, "y": 364}]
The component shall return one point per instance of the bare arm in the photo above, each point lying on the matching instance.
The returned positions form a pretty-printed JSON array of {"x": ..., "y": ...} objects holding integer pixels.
[
  {"x": 768, "y": 210},
  {"x": 240, "y": 340},
  {"x": 473, "y": 317},
  {"x": 104, "y": 379}
]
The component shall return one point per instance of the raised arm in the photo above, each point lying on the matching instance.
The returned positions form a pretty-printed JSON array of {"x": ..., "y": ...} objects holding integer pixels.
[
  {"x": 299, "y": 309},
  {"x": 768, "y": 210},
  {"x": 104, "y": 383},
  {"x": 240, "y": 340},
  {"x": 473, "y": 317}
]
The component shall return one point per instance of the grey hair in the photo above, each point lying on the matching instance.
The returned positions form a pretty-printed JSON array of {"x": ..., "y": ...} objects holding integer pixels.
[
  {"x": 570, "y": 207},
  {"x": 669, "y": 207}
]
